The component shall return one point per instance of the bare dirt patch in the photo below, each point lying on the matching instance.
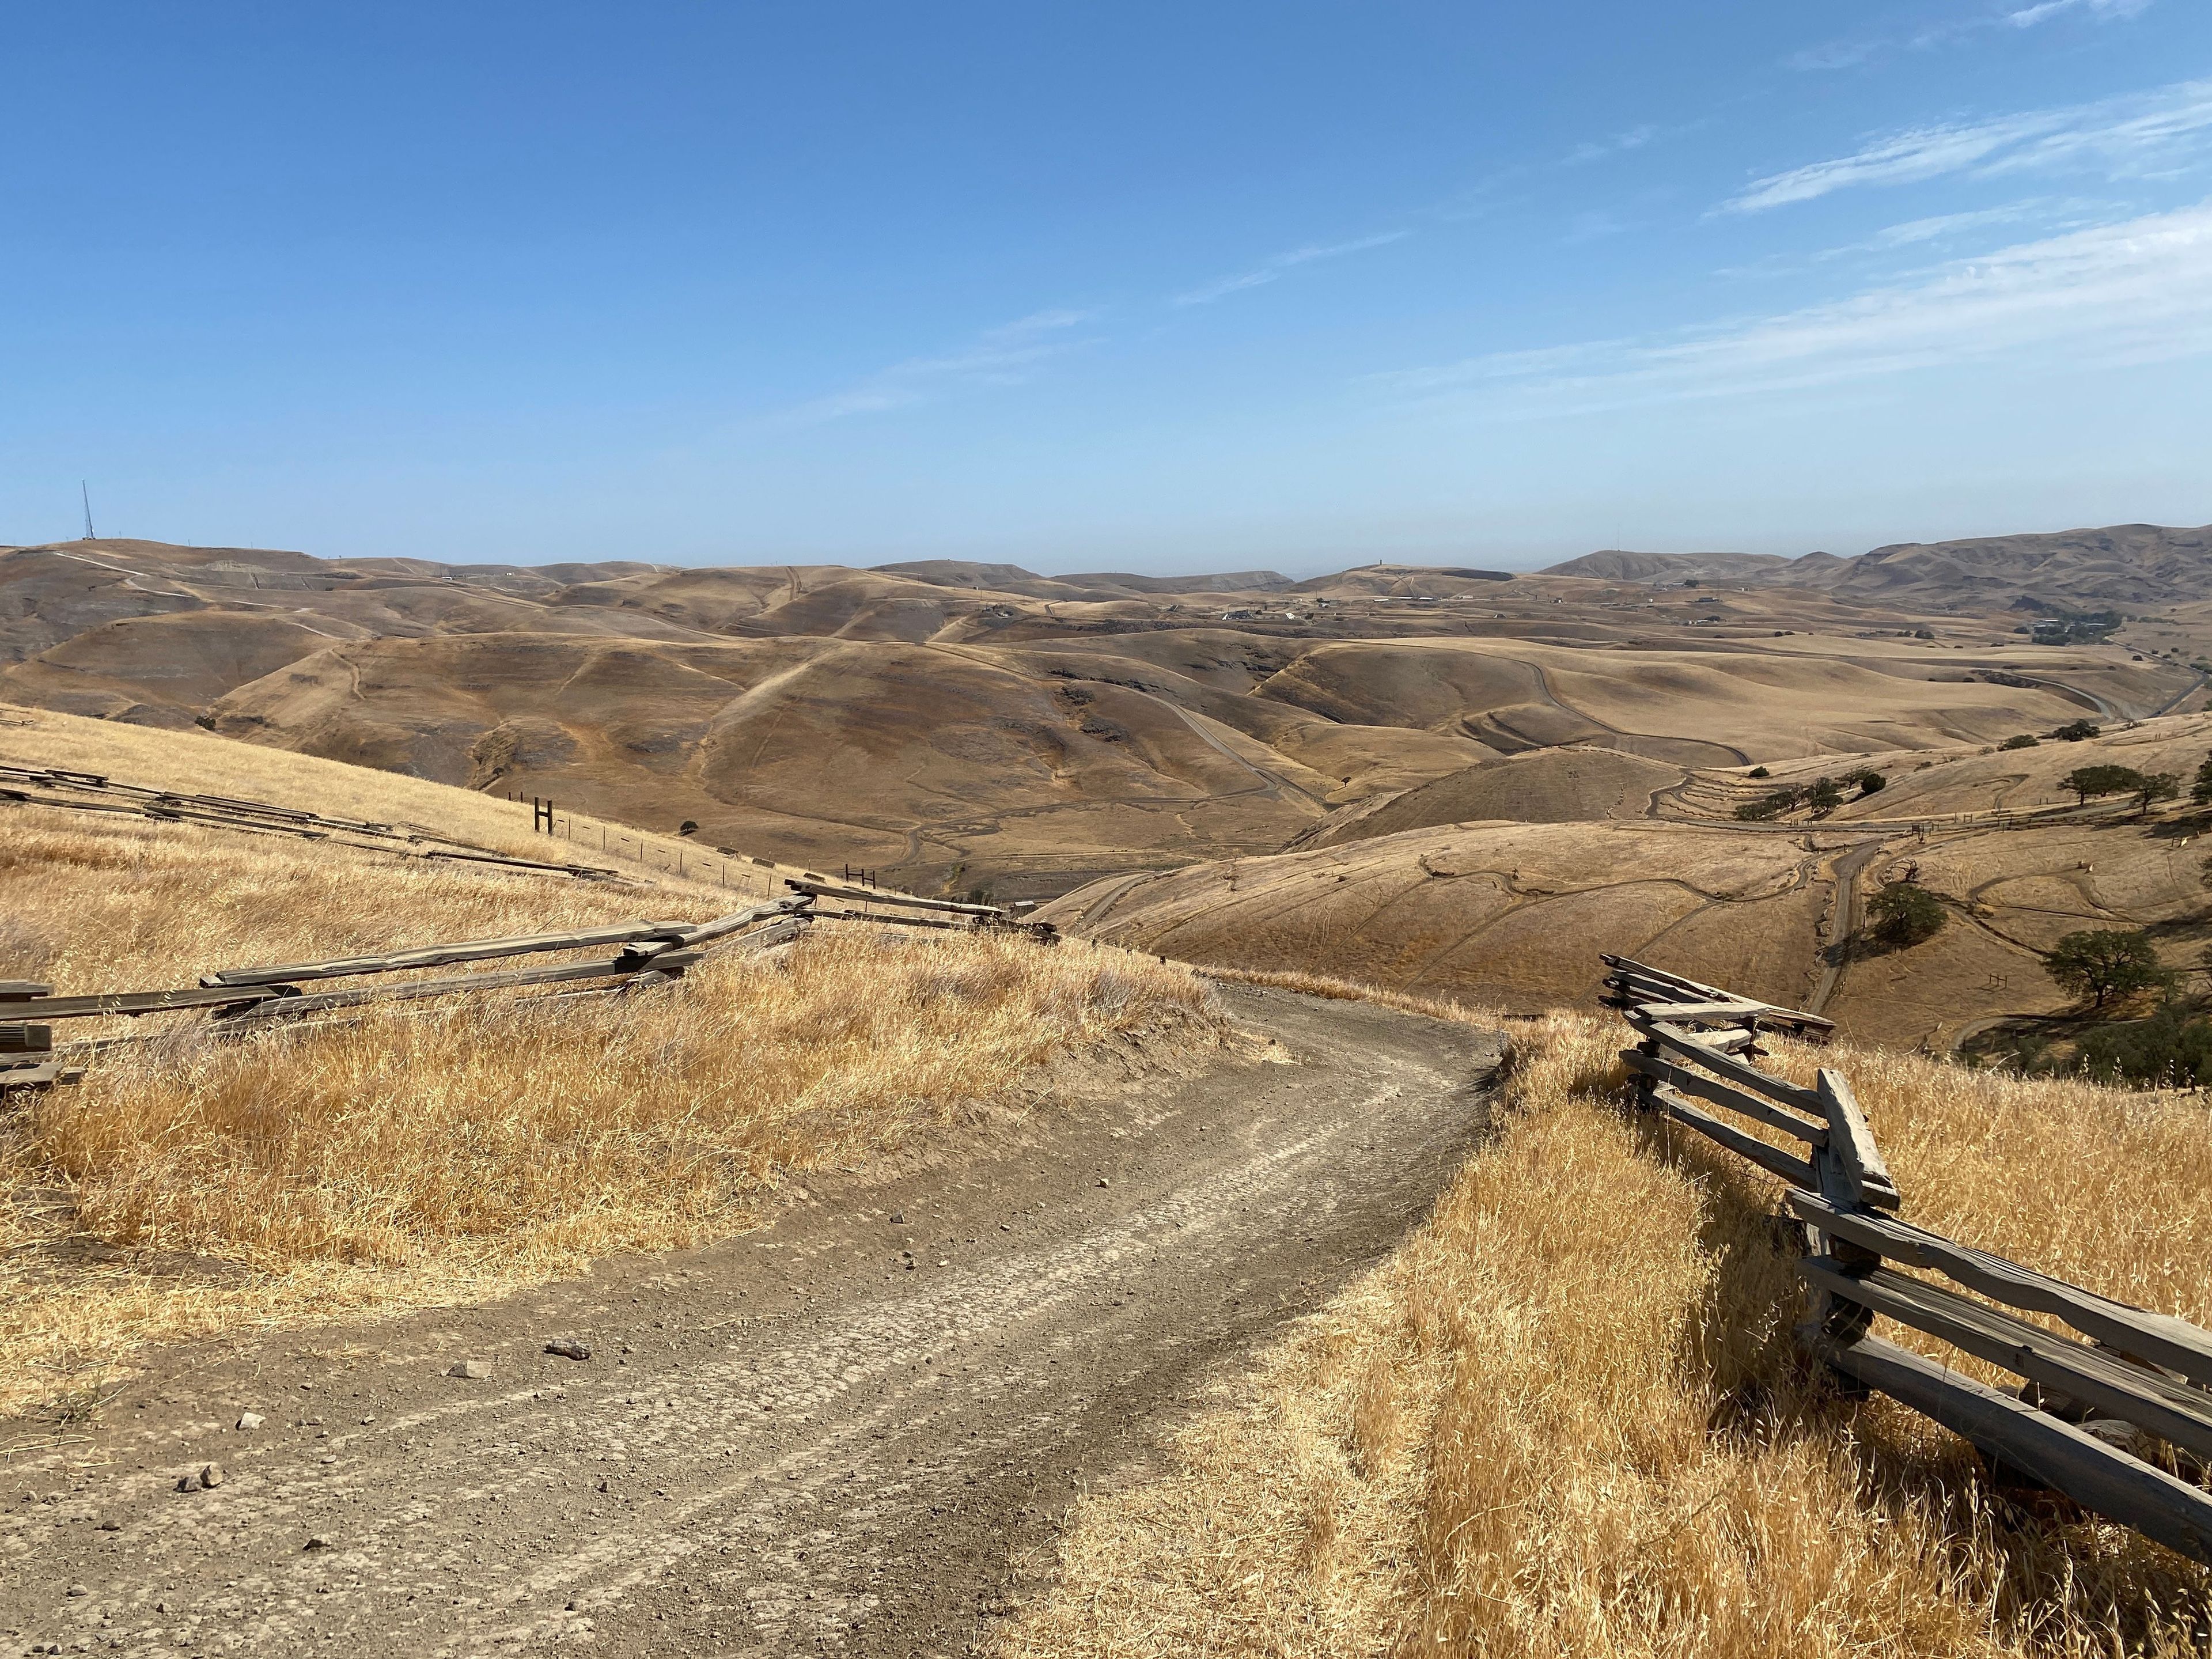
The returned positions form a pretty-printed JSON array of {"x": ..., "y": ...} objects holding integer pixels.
[{"x": 837, "y": 1433}]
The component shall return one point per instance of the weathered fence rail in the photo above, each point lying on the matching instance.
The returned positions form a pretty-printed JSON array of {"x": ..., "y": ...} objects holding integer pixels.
[
  {"x": 238, "y": 999},
  {"x": 650, "y": 953},
  {"x": 653, "y": 952},
  {"x": 93, "y": 791},
  {"x": 2114, "y": 1422}
]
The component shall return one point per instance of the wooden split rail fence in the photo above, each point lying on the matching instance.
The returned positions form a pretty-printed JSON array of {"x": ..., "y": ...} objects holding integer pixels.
[
  {"x": 649, "y": 953},
  {"x": 2105, "y": 1420},
  {"x": 93, "y": 792}
]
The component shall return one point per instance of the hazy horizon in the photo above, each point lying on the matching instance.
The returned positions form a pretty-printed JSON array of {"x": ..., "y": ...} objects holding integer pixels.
[{"x": 1145, "y": 288}]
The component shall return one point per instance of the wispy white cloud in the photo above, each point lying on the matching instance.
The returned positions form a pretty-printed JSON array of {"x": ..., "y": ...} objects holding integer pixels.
[
  {"x": 1598, "y": 150},
  {"x": 1007, "y": 354},
  {"x": 1270, "y": 270},
  {"x": 2138, "y": 291},
  {"x": 2122, "y": 135},
  {"x": 1943, "y": 225},
  {"x": 1847, "y": 54},
  {"x": 1836, "y": 55},
  {"x": 2028, "y": 17}
]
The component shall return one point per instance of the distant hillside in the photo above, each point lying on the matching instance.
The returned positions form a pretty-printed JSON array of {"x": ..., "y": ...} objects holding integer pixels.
[
  {"x": 1570, "y": 785},
  {"x": 2087, "y": 569},
  {"x": 1103, "y": 585},
  {"x": 1226, "y": 581},
  {"x": 2126, "y": 564},
  {"x": 1047, "y": 729},
  {"x": 966, "y": 572},
  {"x": 1614, "y": 565}
]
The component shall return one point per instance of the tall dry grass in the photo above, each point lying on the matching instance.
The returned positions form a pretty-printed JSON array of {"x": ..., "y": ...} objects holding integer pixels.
[
  {"x": 200, "y": 762},
  {"x": 197, "y": 1182},
  {"x": 1566, "y": 1418},
  {"x": 98, "y": 904}
]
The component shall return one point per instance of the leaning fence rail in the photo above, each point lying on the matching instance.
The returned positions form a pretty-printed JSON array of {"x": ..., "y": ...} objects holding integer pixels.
[
  {"x": 652, "y": 953},
  {"x": 94, "y": 792},
  {"x": 2105, "y": 1421},
  {"x": 649, "y": 953}
]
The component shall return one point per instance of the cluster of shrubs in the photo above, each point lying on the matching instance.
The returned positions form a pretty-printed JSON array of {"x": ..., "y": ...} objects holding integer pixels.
[
  {"x": 1822, "y": 796},
  {"x": 2172, "y": 1049}
]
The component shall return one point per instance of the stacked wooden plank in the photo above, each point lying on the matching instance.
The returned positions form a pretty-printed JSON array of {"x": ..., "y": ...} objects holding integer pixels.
[
  {"x": 2106, "y": 1421},
  {"x": 26, "y": 1049}
]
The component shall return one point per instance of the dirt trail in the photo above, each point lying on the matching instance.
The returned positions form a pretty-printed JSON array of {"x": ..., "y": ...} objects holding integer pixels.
[
  {"x": 1842, "y": 923},
  {"x": 793, "y": 1442}
]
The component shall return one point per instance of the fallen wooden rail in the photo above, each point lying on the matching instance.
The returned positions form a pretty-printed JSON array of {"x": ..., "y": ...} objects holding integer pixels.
[
  {"x": 2093, "y": 1420},
  {"x": 623, "y": 967},
  {"x": 879, "y": 896},
  {"x": 110, "y": 1004},
  {"x": 44, "y": 1076},
  {"x": 440, "y": 955}
]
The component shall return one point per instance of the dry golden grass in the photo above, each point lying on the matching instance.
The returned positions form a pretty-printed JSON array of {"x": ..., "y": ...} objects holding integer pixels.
[
  {"x": 199, "y": 763},
  {"x": 202, "y": 763},
  {"x": 1565, "y": 1417},
  {"x": 195, "y": 1182},
  {"x": 93, "y": 902}
]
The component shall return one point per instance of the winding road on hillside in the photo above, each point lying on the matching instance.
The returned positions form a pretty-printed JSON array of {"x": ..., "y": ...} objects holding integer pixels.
[
  {"x": 1841, "y": 922},
  {"x": 847, "y": 1432}
]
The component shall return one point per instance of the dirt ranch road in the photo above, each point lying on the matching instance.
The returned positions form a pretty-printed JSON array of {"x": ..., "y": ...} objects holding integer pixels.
[{"x": 791, "y": 1443}]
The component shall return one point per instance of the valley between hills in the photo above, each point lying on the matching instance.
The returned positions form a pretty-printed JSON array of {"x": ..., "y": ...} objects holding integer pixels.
[{"x": 1447, "y": 780}]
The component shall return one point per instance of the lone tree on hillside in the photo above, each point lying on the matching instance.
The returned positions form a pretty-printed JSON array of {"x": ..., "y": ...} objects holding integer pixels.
[
  {"x": 2019, "y": 740},
  {"x": 1905, "y": 913},
  {"x": 2077, "y": 731},
  {"x": 2087, "y": 780},
  {"x": 2105, "y": 963},
  {"x": 2201, "y": 791},
  {"x": 2154, "y": 786}
]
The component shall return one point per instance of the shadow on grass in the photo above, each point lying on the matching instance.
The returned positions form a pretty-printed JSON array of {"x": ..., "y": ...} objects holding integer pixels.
[{"x": 2042, "y": 1563}]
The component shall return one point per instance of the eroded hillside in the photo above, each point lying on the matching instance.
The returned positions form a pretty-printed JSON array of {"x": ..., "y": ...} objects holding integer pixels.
[
  {"x": 1439, "y": 891},
  {"x": 962, "y": 726}
]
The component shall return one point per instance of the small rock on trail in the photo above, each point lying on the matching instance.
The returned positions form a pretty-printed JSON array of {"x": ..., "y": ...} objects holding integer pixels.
[{"x": 474, "y": 1369}]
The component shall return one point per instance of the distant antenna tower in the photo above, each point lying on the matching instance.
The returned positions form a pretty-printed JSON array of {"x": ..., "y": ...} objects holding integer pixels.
[{"x": 85, "y": 489}]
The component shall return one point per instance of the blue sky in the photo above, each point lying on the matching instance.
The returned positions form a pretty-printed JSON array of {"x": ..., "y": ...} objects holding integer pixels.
[{"x": 1135, "y": 286}]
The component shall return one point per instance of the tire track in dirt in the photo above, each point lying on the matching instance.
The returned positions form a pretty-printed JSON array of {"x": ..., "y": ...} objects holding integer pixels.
[{"x": 791, "y": 1442}]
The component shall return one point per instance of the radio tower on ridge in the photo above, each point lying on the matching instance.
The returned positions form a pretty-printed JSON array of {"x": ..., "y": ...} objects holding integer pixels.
[{"x": 85, "y": 489}]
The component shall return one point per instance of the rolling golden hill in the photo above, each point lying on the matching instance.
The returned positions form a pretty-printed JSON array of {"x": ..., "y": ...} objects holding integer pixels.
[
  {"x": 1513, "y": 913},
  {"x": 960, "y": 725}
]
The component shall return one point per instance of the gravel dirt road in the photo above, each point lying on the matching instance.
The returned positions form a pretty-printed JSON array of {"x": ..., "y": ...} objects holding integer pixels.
[{"x": 841, "y": 1433}]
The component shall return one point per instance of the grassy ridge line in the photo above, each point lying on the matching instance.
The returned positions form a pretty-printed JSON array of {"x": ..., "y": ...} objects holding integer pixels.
[
  {"x": 1566, "y": 1416},
  {"x": 197, "y": 763}
]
